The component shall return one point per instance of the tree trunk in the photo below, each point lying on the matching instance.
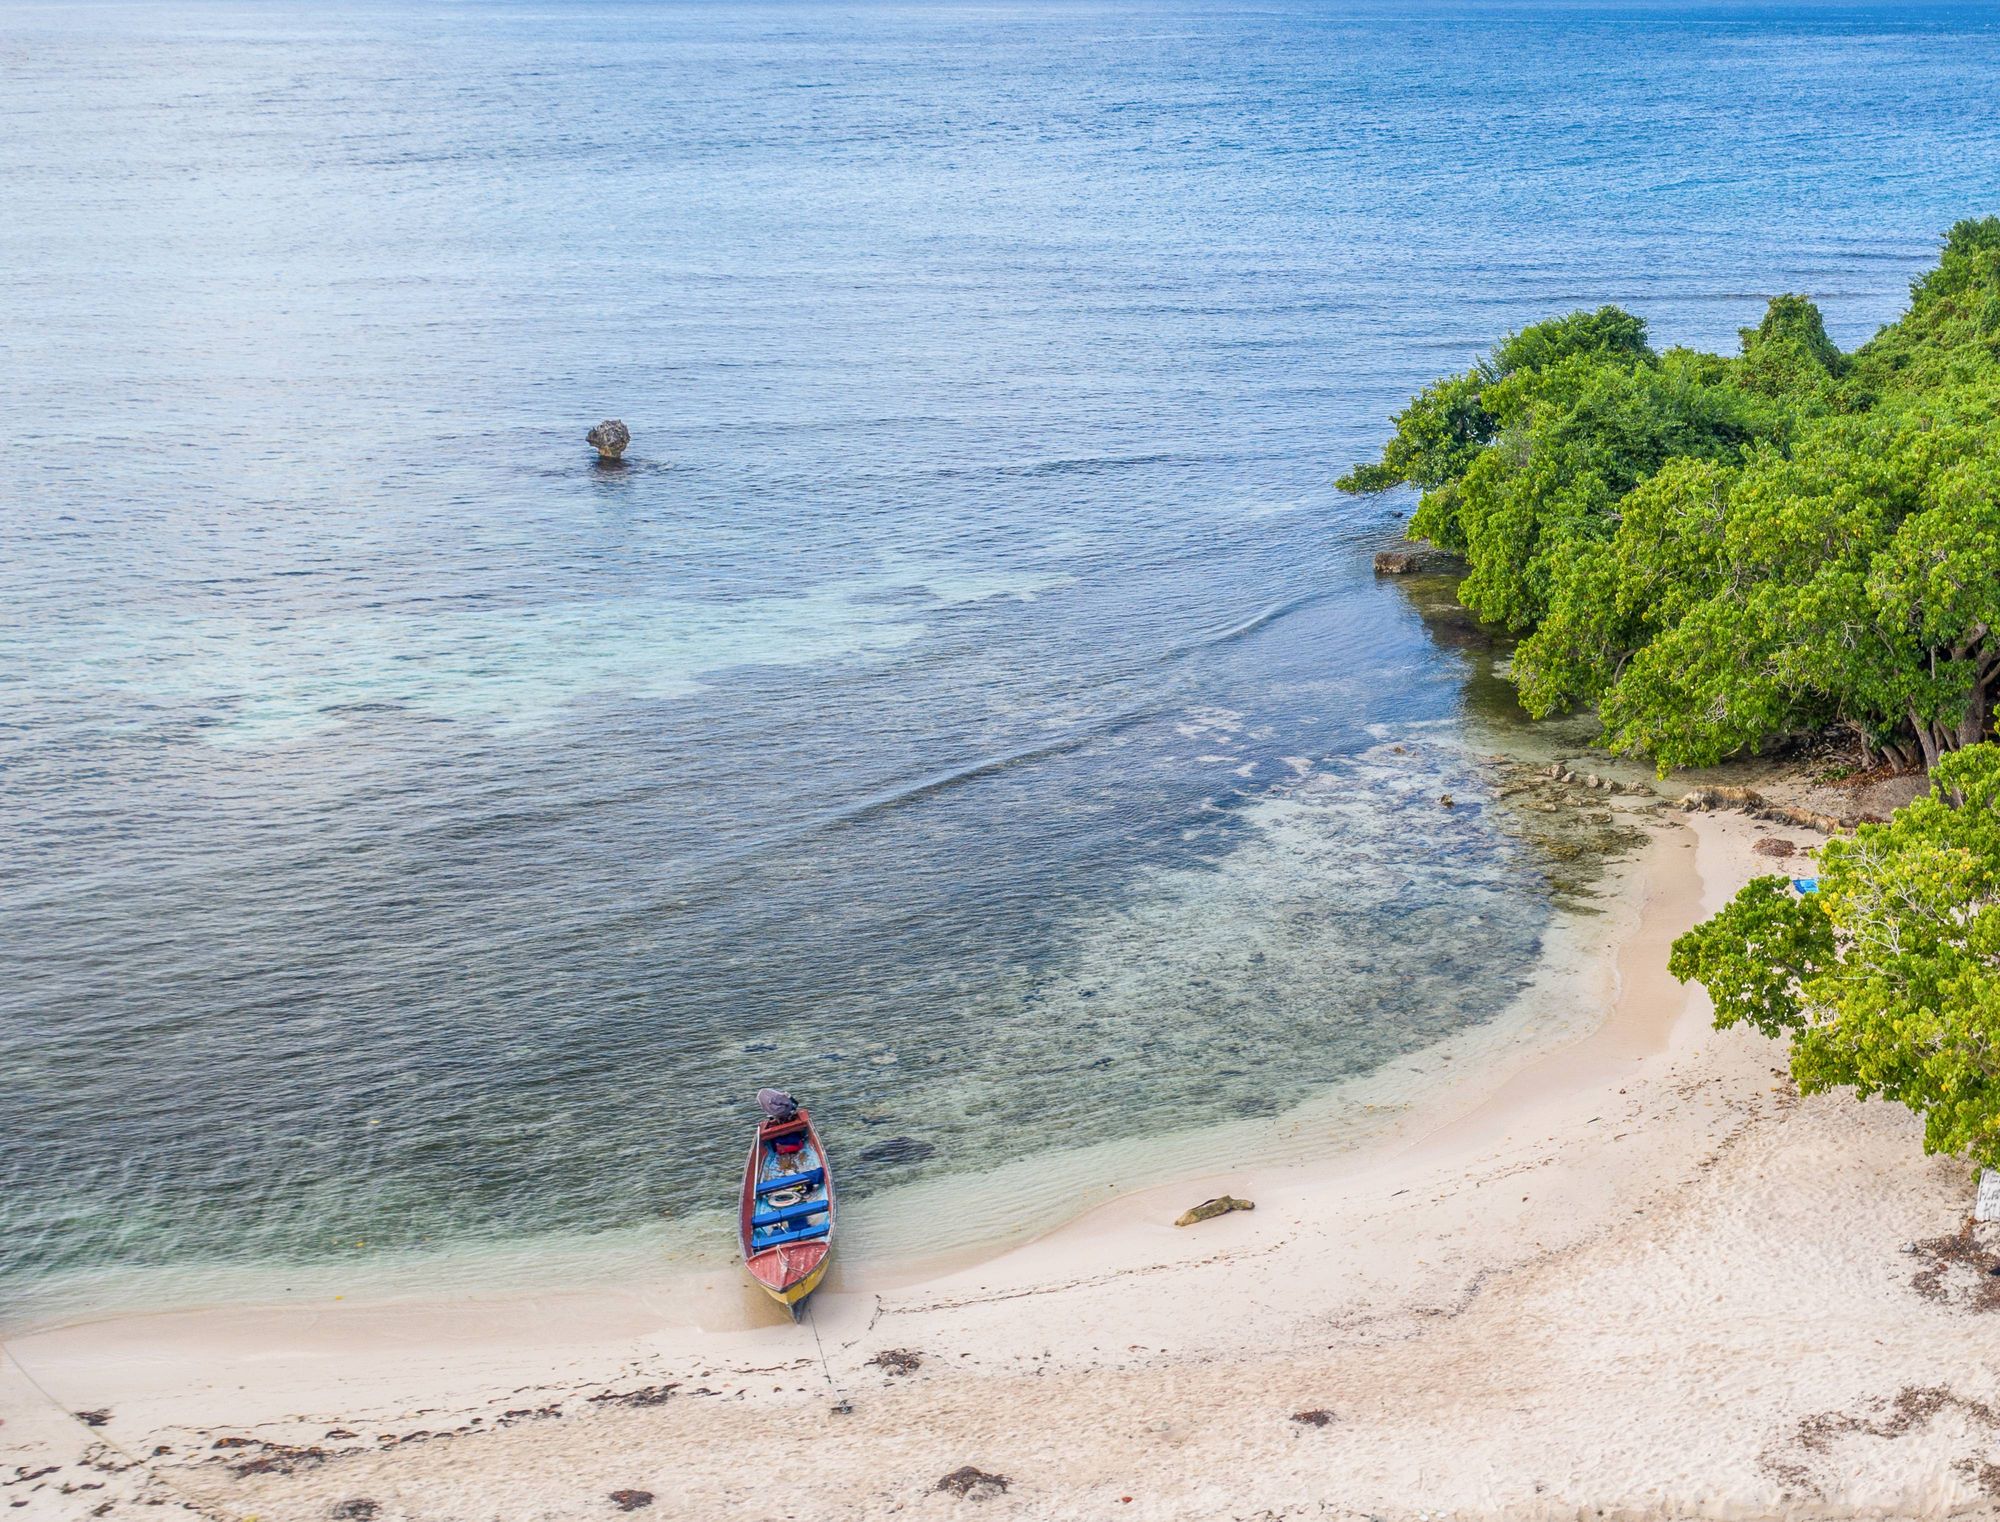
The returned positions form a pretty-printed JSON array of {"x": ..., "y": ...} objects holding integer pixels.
[
  {"x": 1899, "y": 756},
  {"x": 1972, "y": 727},
  {"x": 1927, "y": 739}
]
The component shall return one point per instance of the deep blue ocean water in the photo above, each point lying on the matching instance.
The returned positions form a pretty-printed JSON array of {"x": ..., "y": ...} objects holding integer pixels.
[{"x": 969, "y": 701}]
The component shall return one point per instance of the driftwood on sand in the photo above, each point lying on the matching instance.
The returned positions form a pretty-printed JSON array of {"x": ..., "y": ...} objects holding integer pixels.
[
  {"x": 1757, "y": 806},
  {"x": 1208, "y": 1210}
]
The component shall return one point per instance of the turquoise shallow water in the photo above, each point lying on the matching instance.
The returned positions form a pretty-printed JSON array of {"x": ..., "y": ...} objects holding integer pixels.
[{"x": 965, "y": 704}]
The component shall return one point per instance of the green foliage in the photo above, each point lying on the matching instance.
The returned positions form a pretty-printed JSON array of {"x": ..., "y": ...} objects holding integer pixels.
[
  {"x": 1756, "y": 955},
  {"x": 1788, "y": 353},
  {"x": 1449, "y": 425},
  {"x": 1437, "y": 438},
  {"x": 1606, "y": 334},
  {"x": 1887, "y": 980},
  {"x": 1716, "y": 552},
  {"x": 1951, "y": 333}
]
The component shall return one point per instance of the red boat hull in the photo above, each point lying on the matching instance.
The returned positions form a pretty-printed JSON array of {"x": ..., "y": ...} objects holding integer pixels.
[{"x": 790, "y": 1271}]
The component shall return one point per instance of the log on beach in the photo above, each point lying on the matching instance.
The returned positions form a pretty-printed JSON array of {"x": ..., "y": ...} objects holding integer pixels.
[
  {"x": 1208, "y": 1210},
  {"x": 1757, "y": 806}
]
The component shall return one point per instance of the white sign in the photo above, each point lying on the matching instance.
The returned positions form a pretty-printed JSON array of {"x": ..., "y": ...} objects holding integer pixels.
[{"x": 1987, "y": 1208}]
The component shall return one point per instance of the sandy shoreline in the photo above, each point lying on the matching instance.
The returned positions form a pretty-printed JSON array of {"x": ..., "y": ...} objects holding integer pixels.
[{"x": 1638, "y": 1277}]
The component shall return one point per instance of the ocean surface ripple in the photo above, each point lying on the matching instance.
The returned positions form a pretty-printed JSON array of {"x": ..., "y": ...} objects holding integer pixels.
[{"x": 968, "y": 704}]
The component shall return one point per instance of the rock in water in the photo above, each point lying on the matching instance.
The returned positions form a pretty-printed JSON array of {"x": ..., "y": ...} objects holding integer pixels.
[
  {"x": 1408, "y": 562},
  {"x": 609, "y": 438},
  {"x": 898, "y": 1149},
  {"x": 1222, "y": 1204}
]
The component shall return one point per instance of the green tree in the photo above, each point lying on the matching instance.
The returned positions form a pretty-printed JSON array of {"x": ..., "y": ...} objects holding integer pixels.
[
  {"x": 1716, "y": 552},
  {"x": 1854, "y": 580},
  {"x": 1951, "y": 334},
  {"x": 1886, "y": 980},
  {"x": 1788, "y": 353}
]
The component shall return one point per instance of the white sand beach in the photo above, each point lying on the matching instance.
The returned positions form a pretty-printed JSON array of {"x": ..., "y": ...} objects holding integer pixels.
[{"x": 1639, "y": 1278}]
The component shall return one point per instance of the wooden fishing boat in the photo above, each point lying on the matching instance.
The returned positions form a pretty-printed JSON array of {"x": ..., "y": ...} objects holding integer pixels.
[{"x": 786, "y": 1217}]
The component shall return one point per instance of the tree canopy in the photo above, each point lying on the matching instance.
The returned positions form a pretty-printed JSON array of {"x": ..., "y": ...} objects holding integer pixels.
[
  {"x": 1719, "y": 551},
  {"x": 1888, "y": 977}
]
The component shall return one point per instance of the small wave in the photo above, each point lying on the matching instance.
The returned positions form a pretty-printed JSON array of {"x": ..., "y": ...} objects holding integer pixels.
[
  {"x": 985, "y": 766},
  {"x": 1247, "y": 626},
  {"x": 1079, "y": 465},
  {"x": 938, "y": 782}
]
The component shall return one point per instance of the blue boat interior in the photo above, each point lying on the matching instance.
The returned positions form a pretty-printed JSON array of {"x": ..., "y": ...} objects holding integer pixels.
[
  {"x": 789, "y": 1180},
  {"x": 792, "y": 1203}
]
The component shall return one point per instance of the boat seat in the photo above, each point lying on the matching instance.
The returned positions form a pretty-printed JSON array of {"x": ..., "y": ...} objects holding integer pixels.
[
  {"x": 804, "y": 1180},
  {"x": 792, "y": 1138},
  {"x": 778, "y": 1215},
  {"x": 786, "y": 1238}
]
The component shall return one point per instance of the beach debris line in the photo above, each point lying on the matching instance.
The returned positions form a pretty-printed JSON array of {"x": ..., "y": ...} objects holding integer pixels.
[
  {"x": 1911, "y": 1408},
  {"x": 649, "y": 1395},
  {"x": 1208, "y": 1210},
  {"x": 609, "y": 438},
  {"x": 283, "y": 1458},
  {"x": 975, "y": 1484},
  {"x": 897, "y": 1361},
  {"x": 1774, "y": 845},
  {"x": 1961, "y": 1270}
]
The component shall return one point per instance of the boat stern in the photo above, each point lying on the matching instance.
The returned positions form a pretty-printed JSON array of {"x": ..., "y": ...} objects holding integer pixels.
[{"x": 789, "y": 1274}]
